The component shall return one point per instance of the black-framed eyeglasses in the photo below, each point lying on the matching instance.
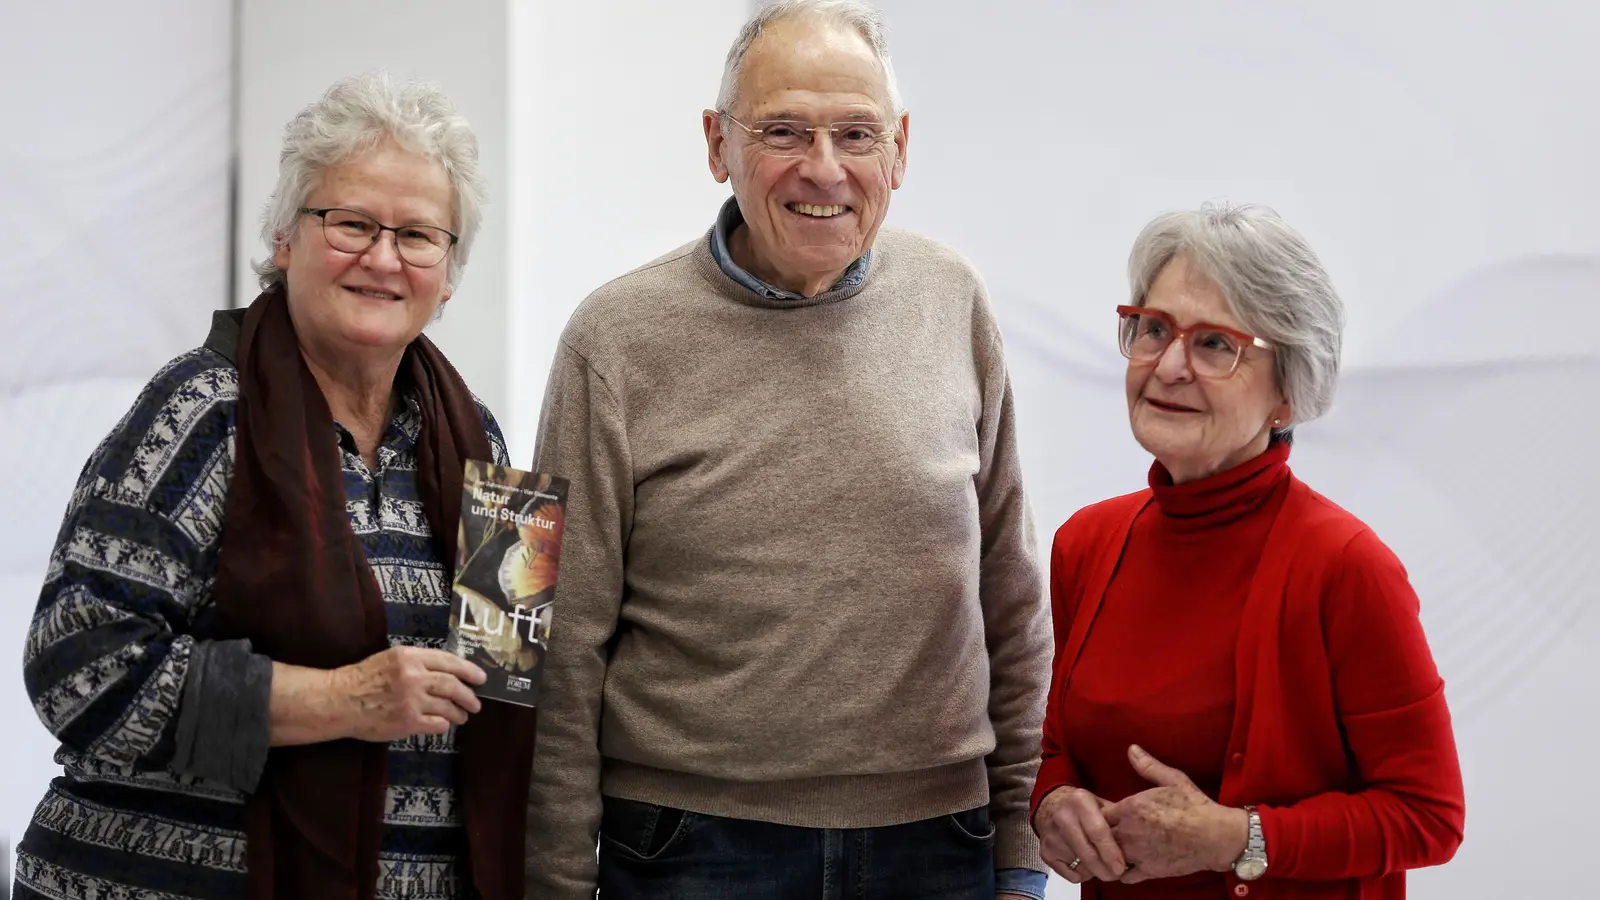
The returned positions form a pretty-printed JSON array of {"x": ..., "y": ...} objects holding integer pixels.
[
  {"x": 351, "y": 231},
  {"x": 783, "y": 137}
]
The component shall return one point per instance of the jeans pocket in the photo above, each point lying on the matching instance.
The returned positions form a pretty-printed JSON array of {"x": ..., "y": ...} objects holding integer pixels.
[
  {"x": 644, "y": 831},
  {"x": 973, "y": 825}
]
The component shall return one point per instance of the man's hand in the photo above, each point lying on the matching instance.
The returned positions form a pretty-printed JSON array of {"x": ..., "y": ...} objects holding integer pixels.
[{"x": 1173, "y": 828}]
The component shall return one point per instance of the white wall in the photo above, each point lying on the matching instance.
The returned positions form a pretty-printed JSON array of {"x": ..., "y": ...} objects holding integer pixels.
[
  {"x": 610, "y": 167},
  {"x": 113, "y": 203},
  {"x": 1438, "y": 157},
  {"x": 292, "y": 50}
]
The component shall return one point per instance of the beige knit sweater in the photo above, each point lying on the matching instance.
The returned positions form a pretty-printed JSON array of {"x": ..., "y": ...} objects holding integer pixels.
[{"x": 799, "y": 580}]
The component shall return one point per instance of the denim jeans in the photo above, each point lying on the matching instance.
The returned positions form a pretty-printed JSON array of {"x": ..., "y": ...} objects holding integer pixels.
[{"x": 660, "y": 853}]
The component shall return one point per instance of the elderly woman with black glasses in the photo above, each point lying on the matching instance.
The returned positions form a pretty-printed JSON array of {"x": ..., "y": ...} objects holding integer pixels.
[
  {"x": 240, "y": 638},
  {"x": 1243, "y": 699}
]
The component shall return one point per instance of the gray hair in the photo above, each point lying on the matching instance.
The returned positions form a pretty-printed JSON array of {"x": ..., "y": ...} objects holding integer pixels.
[
  {"x": 355, "y": 115},
  {"x": 853, "y": 14},
  {"x": 1272, "y": 282}
]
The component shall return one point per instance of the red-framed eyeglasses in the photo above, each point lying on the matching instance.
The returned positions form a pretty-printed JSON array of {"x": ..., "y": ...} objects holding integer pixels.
[{"x": 1213, "y": 351}]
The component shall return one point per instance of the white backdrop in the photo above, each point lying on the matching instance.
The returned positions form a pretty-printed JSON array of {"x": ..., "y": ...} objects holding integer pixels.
[
  {"x": 610, "y": 167},
  {"x": 114, "y": 207}
]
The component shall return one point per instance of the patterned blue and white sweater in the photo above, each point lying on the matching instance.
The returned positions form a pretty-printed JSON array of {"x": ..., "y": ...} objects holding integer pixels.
[{"x": 163, "y": 731}]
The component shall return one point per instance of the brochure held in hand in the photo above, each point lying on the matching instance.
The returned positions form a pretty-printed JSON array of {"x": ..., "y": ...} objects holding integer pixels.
[{"x": 508, "y": 553}]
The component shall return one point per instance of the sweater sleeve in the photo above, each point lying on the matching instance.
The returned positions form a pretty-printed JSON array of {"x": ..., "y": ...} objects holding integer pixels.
[
  {"x": 1391, "y": 706},
  {"x": 1016, "y": 630},
  {"x": 111, "y": 663},
  {"x": 581, "y": 437},
  {"x": 1055, "y": 766}
]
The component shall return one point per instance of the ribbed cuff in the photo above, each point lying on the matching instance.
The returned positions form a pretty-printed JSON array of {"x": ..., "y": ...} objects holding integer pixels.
[
  {"x": 223, "y": 729},
  {"x": 1015, "y": 844}
]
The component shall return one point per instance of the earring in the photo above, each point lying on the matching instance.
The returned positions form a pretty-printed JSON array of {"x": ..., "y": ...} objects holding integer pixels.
[{"x": 1276, "y": 422}]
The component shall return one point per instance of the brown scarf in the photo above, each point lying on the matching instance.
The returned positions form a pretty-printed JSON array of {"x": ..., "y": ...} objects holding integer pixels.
[{"x": 292, "y": 578}]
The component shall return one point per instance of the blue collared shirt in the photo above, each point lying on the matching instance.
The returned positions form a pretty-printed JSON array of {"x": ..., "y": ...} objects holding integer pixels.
[
  {"x": 1025, "y": 882},
  {"x": 730, "y": 218}
]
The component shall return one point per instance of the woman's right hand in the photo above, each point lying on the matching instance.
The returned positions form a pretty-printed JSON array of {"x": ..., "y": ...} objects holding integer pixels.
[
  {"x": 1071, "y": 825},
  {"x": 405, "y": 691}
]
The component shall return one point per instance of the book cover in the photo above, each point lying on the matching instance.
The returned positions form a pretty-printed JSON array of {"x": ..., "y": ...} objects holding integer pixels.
[{"x": 508, "y": 553}]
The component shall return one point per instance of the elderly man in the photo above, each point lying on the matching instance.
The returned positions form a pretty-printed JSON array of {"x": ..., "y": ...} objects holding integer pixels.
[{"x": 801, "y": 646}]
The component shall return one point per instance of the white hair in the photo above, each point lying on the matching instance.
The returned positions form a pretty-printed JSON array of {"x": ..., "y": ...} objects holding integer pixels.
[
  {"x": 1271, "y": 281},
  {"x": 355, "y": 115},
  {"x": 860, "y": 17}
]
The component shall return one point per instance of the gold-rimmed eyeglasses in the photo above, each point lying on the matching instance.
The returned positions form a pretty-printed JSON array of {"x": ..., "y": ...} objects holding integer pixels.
[
  {"x": 351, "y": 231},
  {"x": 788, "y": 137}
]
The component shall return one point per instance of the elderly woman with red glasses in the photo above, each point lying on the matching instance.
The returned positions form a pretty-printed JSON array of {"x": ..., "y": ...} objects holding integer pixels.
[{"x": 1243, "y": 702}]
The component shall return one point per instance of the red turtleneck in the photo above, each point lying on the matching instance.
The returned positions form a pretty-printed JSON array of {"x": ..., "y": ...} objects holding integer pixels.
[
  {"x": 1158, "y": 668},
  {"x": 1251, "y": 633}
]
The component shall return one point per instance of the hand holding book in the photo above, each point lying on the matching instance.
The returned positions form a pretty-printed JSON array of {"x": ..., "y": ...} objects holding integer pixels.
[
  {"x": 390, "y": 695},
  {"x": 408, "y": 690}
]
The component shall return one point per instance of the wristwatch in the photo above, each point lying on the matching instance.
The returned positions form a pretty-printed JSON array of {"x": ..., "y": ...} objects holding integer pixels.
[{"x": 1252, "y": 863}]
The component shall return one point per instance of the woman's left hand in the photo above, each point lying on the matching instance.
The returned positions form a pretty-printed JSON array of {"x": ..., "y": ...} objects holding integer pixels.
[{"x": 1173, "y": 828}]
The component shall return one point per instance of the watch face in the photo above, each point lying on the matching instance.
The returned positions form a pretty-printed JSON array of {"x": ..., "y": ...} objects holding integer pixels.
[{"x": 1250, "y": 869}]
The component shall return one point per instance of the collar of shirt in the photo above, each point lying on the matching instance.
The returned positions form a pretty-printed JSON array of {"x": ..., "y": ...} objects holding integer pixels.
[
  {"x": 730, "y": 218},
  {"x": 401, "y": 434}
]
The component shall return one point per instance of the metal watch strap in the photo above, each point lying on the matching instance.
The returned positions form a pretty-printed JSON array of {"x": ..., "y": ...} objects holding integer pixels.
[{"x": 1252, "y": 863}]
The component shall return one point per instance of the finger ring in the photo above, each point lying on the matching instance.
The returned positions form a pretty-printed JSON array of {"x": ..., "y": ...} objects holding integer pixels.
[{"x": 1074, "y": 864}]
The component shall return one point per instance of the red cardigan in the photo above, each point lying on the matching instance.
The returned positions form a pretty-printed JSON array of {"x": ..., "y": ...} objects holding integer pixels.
[{"x": 1356, "y": 780}]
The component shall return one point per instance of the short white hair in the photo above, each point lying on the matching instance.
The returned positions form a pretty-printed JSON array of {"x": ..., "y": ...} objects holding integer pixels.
[
  {"x": 355, "y": 115},
  {"x": 860, "y": 17},
  {"x": 1272, "y": 282}
]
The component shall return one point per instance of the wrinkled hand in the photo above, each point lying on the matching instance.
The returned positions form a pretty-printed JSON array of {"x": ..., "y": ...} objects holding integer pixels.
[
  {"x": 405, "y": 691},
  {"x": 1071, "y": 825},
  {"x": 1174, "y": 829}
]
